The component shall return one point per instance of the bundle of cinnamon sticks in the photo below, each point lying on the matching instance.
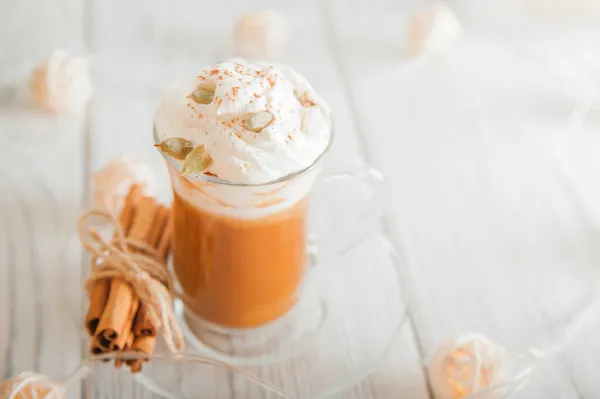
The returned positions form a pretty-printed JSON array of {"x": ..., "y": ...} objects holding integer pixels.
[{"x": 116, "y": 320}]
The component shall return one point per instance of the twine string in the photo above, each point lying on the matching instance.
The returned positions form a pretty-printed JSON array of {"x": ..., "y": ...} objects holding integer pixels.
[
  {"x": 30, "y": 383},
  {"x": 138, "y": 264}
]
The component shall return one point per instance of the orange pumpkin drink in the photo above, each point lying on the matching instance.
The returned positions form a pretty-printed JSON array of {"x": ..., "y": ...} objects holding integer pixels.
[{"x": 242, "y": 144}]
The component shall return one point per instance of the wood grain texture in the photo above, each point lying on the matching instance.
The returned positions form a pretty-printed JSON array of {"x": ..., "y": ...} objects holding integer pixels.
[
  {"x": 40, "y": 200},
  {"x": 41, "y": 180},
  {"x": 492, "y": 192},
  {"x": 494, "y": 199}
]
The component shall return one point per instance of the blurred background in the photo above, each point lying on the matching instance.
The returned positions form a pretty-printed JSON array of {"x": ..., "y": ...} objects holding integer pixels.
[{"x": 489, "y": 140}]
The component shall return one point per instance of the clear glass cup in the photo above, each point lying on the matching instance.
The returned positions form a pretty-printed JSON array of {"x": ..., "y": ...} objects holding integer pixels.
[
  {"x": 241, "y": 251},
  {"x": 361, "y": 287}
]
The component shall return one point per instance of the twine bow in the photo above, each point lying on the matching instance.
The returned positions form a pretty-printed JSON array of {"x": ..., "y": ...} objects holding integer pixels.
[{"x": 138, "y": 264}]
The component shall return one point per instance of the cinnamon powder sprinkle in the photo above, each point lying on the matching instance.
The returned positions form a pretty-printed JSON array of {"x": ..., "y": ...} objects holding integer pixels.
[{"x": 211, "y": 174}]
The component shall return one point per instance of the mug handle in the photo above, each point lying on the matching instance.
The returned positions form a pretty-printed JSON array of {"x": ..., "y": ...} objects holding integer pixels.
[{"x": 349, "y": 223}]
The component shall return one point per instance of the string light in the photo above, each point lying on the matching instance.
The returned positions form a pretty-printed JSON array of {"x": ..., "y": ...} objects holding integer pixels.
[{"x": 466, "y": 365}]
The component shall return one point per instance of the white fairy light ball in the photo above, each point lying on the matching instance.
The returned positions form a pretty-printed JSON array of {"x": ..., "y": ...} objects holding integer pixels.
[
  {"x": 432, "y": 30},
  {"x": 465, "y": 366},
  {"x": 63, "y": 83},
  {"x": 111, "y": 184},
  {"x": 30, "y": 386},
  {"x": 261, "y": 34}
]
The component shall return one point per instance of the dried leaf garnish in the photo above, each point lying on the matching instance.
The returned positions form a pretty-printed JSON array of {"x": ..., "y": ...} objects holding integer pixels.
[
  {"x": 196, "y": 161},
  {"x": 176, "y": 147},
  {"x": 258, "y": 121},
  {"x": 203, "y": 95}
]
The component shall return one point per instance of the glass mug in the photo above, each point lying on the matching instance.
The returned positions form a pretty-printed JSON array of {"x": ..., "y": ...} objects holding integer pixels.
[{"x": 240, "y": 252}]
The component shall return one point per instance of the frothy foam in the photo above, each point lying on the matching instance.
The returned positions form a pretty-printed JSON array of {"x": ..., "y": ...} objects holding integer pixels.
[
  {"x": 297, "y": 136},
  {"x": 245, "y": 202}
]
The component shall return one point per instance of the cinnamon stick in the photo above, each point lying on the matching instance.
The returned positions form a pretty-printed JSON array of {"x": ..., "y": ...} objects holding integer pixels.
[
  {"x": 98, "y": 299},
  {"x": 121, "y": 342},
  {"x": 102, "y": 342},
  {"x": 143, "y": 221},
  {"x": 132, "y": 200},
  {"x": 122, "y": 305},
  {"x": 160, "y": 221},
  {"x": 146, "y": 343},
  {"x": 119, "y": 361},
  {"x": 141, "y": 345},
  {"x": 164, "y": 246},
  {"x": 152, "y": 211},
  {"x": 101, "y": 288},
  {"x": 118, "y": 312},
  {"x": 123, "y": 322},
  {"x": 97, "y": 349},
  {"x": 143, "y": 325},
  {"x": 125, "y": 299}
]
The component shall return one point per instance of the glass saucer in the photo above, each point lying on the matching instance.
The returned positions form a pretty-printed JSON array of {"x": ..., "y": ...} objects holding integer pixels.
[
  {"x": 211, "y": 380},
  {"x": 353, "y": 310}
]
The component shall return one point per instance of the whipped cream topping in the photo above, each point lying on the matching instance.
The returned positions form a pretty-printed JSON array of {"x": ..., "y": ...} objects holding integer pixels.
[{"x": 298, "y": 134}]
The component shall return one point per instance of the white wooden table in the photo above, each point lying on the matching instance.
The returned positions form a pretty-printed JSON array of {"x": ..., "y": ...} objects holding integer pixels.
[{"x": 491, "y": 194}]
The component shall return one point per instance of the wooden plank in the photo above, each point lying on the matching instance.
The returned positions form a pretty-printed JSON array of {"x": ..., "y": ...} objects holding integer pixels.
[
  {"x": 401, "y": 373},
  {"x": 40, "y": 198},
  {"x": 5, "y": 297},
  {"x": 31, "y": 29},
  {"x": 493, "y": 196}
]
